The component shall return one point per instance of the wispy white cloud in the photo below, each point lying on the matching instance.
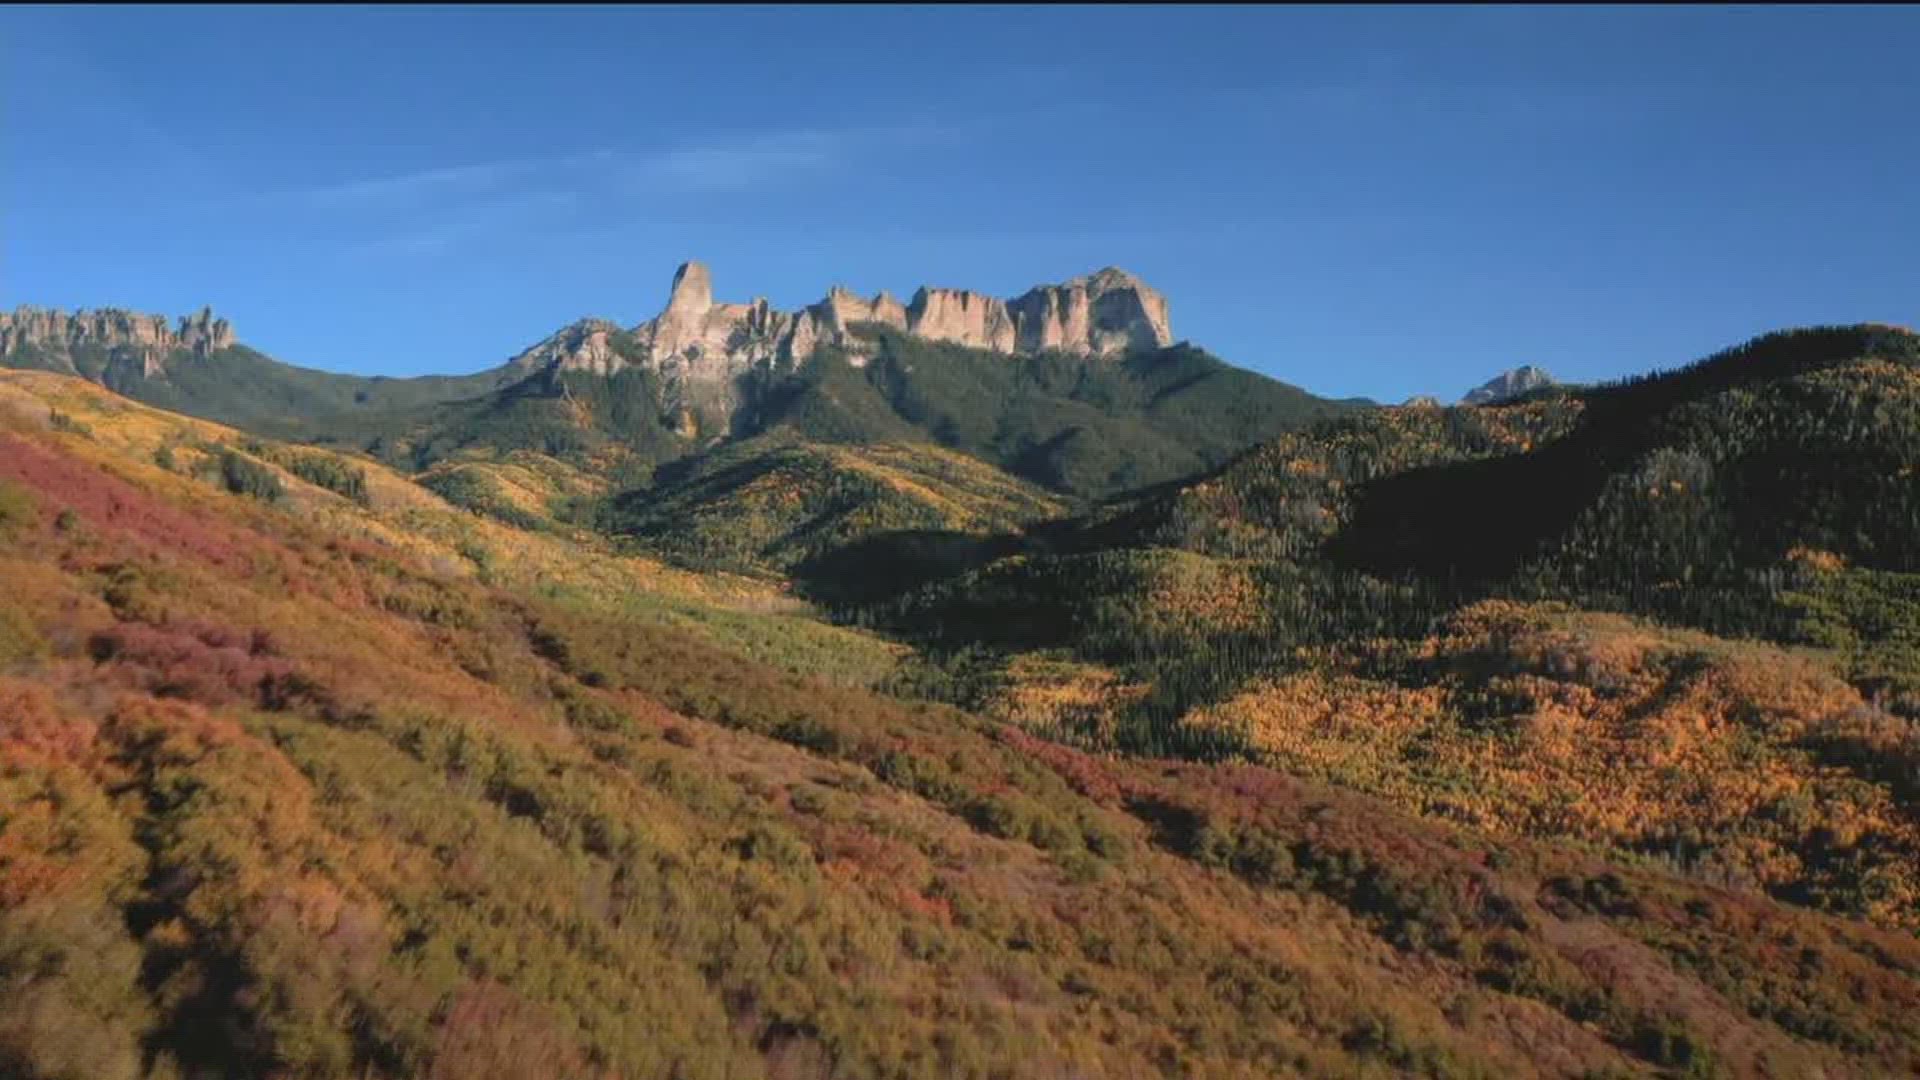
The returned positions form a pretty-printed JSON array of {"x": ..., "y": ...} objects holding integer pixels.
[
  {"x": 730, "y": 168},
  {"x": 438, "y": 231},
  {"x": 415, "y": 244},
  {"x": 457, "y": 183},
  {"x": 721, "y": 166},
  {"x": 430, "y": 211}
]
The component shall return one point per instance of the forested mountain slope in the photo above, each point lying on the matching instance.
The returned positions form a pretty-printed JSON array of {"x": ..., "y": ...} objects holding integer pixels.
[
  {"x": 1079, "y": 426},
  {"x": 1675, "y": 615},
  {"x": 307, "y": 773}
]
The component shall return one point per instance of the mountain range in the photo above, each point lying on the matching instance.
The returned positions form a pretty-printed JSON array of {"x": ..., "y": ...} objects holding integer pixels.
[
  {"x": 957, "y": 687},
  {"x": 707, "y": 353},
  {"x": 1078, "y": 387}
]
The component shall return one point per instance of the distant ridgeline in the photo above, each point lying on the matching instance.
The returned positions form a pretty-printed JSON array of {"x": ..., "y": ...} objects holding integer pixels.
[
  {"x": 200, "y": 369},
  {"x": 1079, "y": 386}
]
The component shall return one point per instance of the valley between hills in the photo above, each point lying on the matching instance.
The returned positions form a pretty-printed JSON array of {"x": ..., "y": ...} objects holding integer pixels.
[{"x": 956, "y": 687}]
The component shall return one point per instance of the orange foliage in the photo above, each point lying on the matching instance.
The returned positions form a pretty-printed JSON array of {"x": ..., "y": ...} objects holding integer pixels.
[
  {"x": 1542, "y": 722},
  {"x": 34, "y": 733},
  {"x": 492, "y": 1033}
]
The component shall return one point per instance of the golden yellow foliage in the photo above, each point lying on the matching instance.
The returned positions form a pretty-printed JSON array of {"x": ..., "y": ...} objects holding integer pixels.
[
  {"x": 1063, "y": 699},
  {"x": 1545, "y": 722}
]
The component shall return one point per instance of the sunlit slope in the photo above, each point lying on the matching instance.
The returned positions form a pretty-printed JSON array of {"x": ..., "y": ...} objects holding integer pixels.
[
  {"x": 394, "y": 510},
  {"x": 1767, "y": 491},
  {"x": 775, "y": 502},
  {"x": 279, "y": 797},
  {"x": 1726, "y": 550}
]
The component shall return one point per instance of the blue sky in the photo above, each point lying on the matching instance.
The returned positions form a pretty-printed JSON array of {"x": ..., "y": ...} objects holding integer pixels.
[{"x": 1367, "y": 201}]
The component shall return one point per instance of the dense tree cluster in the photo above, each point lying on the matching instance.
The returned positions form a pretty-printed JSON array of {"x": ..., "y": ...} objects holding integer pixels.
[{"x": 244, "y": 476}]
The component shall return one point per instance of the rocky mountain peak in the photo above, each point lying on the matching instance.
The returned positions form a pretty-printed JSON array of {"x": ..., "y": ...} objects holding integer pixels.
[
  {"x": 1509, "y": 385},
  {"x": 702, "y": 346},
  {"x": 1108, "y": 311},
  {"x": 1109, "y": 277},
  {"x": 582, "y": 345},
  {"x": 692, "y": 292}
]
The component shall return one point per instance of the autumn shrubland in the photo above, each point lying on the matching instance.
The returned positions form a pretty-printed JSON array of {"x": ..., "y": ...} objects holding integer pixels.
[{"x": 311, "y": 769}]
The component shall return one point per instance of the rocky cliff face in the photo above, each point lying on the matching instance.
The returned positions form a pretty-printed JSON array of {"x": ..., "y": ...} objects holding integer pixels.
[
  {"x": 1101, "y": 314},
  {"x": 962, "y": 317},
  {"x": 702, "y": 348},
  {"x": 842, "y": 308},
  {"x": 1509, "y": 385},
  {"x": 56, "y": 334},
  {"x": 587, "y": 345},
  {"x": 1108, "y": 312}
]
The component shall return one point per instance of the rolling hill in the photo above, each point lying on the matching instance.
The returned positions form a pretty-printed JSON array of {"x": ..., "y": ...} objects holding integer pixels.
[
  {"x": 1709, "y": 572},
  {"x": 775, "y": 501},
  {"x": 549, "y": 809}
]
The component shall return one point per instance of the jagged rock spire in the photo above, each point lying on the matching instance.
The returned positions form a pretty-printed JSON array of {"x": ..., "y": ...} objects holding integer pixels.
[{"x": 692, "y": 290}]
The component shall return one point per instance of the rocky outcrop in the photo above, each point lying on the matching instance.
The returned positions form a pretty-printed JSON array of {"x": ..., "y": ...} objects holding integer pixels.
[
  {"x": 702, "y": 348},
  {"x": 201, "y": 333},
  {"x": 1421, "y": 401},
  {"x": 692, "y": 292},
  {"x": 1509, "y": 385},
  {"x": 843, "y": 308},
  {"x": 832, "y": 321},
  {"x": 56, "y": 334},
  {"x": 889, "y": 311},
  {"x": 1108, "y": 312},
  {"x": 587, "y": 345},
  {"x": 1101, "y": 314},
  {"x": 963, "y": 318}
]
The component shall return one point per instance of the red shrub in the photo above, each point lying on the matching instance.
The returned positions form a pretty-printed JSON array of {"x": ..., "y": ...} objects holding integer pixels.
[
  {"x": 1085, "y": 774},
  {"x": 110, "y": 504},
  {"x": 212, "y": 665}
]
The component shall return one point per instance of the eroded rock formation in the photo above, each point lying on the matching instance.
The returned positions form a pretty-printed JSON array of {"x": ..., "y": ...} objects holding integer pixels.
[
  {"x": 1101, "y": 314},
  {"x": 56, "y": 334},
  {"x": 703, "y": 348}
]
